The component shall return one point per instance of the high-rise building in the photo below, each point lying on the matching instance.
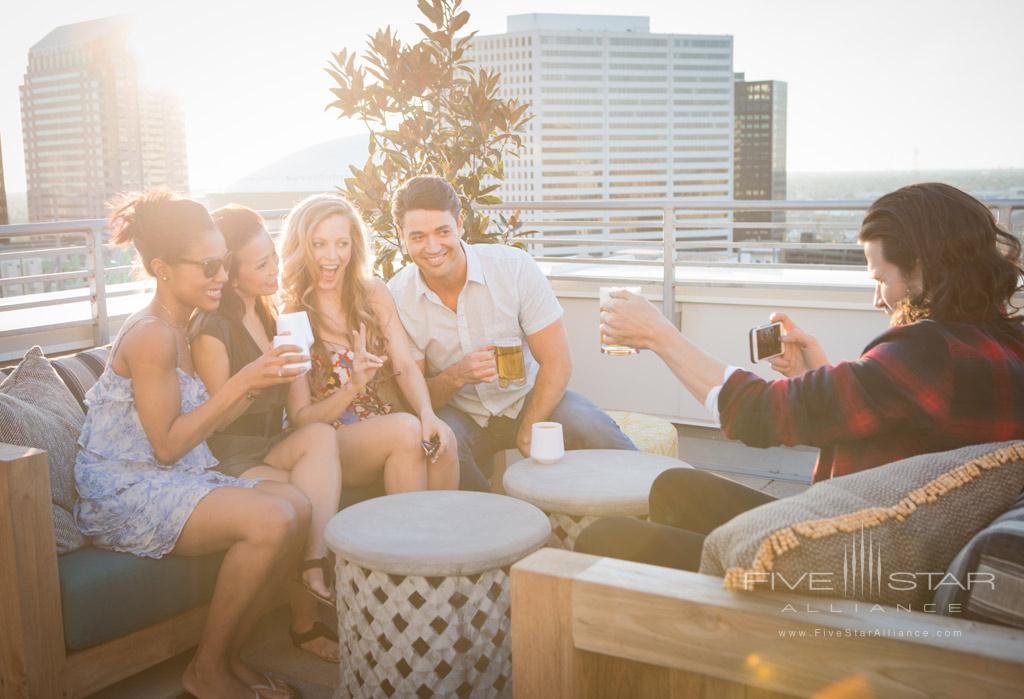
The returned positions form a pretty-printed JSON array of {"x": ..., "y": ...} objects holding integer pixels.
[
  {"x": 90, "y": 129},
  {"x": 760, "y": 152},
  {"x": 4, "y": 217},
  {"x": 619, "y": 112}
]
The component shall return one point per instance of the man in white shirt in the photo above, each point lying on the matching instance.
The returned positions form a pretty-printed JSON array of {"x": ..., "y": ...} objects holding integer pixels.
[{"x": 455, "y": 302}]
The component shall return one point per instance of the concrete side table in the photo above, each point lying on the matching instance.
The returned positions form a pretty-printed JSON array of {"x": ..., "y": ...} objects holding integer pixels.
[
  {"x": 585, "y": 485},
  {"x": 423, "y": 592}
]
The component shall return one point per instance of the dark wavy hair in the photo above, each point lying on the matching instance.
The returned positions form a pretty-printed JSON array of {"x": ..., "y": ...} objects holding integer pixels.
[
  {"x": 425, "y": 192},
  {"x": 970, "y": 267},
  {"x": 239, "y": 225}
]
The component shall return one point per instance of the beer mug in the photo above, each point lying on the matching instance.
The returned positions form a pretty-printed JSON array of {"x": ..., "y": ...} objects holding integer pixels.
[
  {"x": 605, "y": 298},
  {"x": 508, "y": 352}
]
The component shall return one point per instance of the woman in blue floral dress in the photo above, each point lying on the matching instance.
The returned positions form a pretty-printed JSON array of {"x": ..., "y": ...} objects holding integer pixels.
[{"x": 144, "y": 473}]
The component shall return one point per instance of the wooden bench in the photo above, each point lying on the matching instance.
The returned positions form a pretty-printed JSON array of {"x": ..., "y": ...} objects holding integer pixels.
[
  {"x": 33, "y": 660},
  {"x": 584, "y": 626}
]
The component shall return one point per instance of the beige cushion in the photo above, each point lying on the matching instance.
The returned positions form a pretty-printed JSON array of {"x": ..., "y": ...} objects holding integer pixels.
[
  {"x": 650, "y": 434},
  {"x": 873, "y": 535},
  {"x": 37, "y": 410}
]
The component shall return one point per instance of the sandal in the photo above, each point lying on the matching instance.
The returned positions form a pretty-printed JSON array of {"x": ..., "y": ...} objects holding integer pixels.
[
  {"x": 275, "y": 684},
  {"x": 318, "y": 630},
  {"x": 324, "y": 565}
]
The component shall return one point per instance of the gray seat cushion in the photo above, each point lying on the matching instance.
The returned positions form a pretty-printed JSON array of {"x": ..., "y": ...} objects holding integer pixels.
[
  {"x": 986, "y": 579},
  {"x": 106, "y": 595}
]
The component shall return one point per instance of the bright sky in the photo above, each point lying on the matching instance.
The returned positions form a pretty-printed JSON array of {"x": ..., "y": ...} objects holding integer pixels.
[{"x": 873, "y": 84}]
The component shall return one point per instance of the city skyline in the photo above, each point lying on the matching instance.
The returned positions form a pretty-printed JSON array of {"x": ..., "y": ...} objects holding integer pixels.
[
  {"x": 885, "y": 89},
  {"x": 91, "y": 127}
]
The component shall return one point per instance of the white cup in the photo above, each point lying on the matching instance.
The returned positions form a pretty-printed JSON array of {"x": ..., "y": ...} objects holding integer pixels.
[
  {"x": 546, "y": 443},
  {"x": 280, "y": 340},
  {"x": 296, "y": 327}
]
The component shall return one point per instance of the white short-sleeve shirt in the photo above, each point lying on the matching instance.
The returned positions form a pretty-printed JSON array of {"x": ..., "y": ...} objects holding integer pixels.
[{"x": 506, "y": 295}]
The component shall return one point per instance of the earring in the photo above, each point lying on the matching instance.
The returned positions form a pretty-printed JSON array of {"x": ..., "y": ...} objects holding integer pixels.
[{"x": 164, "y": 278}]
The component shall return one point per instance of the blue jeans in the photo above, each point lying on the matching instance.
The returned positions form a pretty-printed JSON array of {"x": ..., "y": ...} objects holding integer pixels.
[{"x": 584, "y": 426}]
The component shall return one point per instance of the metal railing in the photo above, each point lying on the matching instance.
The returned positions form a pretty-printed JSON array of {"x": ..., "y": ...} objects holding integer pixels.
[{"x": 669, "y": 234}]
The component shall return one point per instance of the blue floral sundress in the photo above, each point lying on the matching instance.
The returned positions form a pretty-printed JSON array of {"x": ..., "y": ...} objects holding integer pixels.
[{"x": 128, "y": 501}]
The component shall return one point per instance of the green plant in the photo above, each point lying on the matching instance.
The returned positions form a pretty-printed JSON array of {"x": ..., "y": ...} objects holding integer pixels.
[{"x": 428, "y": 112}]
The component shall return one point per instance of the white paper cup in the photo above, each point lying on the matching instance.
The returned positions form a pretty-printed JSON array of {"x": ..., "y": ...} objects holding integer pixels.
[
  {"x": 546, "y": 443},
  {"x": 280, "y": 340},
  {"x": 296, "y": 326}
]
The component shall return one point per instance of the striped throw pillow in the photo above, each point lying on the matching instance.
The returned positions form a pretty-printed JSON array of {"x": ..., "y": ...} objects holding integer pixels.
[{"x": 80, "y": 371}]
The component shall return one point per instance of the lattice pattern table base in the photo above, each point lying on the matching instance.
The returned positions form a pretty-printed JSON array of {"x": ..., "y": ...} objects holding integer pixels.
[
  {"x": 565, "y": 529},
  {"x": 423, "y": 637}
]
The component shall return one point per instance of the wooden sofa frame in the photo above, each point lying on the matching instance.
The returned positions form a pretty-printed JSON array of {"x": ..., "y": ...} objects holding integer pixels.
[
  {"x": 584, "y": 626},
  {"x": 33, "y": 660},
  {"x": 34, "y": 663}
]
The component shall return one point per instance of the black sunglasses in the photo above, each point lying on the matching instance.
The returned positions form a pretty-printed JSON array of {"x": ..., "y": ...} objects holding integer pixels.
[{"x": 211, "y": 265}]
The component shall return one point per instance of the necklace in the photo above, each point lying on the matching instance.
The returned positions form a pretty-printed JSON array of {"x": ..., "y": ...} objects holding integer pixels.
[{"x": 168, "y": 312}]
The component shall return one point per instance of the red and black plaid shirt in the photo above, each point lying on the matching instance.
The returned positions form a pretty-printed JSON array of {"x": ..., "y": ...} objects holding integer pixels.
[{"x": 926, "y": 387}]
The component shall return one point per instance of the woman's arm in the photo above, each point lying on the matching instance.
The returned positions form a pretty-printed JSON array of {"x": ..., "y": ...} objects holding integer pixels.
[
  {"x": 409, "y": 377},
  {"x": 211, "y": 362},
  {"x": 151, "y": 358},
  {"x": 303, "y": 410},
  {"x": 409, "y": 374}
]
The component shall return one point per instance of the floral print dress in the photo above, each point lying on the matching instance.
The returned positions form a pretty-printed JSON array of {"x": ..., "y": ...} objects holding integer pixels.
[
  {"x": 128, "y": 501},
  {"x": 367, "y": 402}
]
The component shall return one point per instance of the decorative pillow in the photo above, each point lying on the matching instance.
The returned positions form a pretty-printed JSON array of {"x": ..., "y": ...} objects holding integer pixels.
[
  {"x": 37, "y": 410},
  {"x": 80, "y": 371},
  {"x": 884, "y": 535},
  {"x": 991, "y": 567}
]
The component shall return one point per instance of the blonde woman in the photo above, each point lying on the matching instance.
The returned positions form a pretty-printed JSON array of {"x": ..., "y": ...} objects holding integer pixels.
[{"x": 326, "y": 272}]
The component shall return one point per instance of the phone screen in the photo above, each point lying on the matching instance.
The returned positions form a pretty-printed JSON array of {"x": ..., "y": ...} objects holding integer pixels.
[{"x": 765, "y": 342}]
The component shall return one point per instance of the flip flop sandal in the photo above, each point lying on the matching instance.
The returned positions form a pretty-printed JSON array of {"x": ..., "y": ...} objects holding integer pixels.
[
  {"x": 318, "y": 630},
  {"x": 324, "y": 565},
  {"x": 275, "y": 684}
]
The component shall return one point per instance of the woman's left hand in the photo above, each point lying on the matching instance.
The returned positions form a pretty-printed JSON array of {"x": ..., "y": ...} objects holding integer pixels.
[
  {"x": 631, "y": 320},
  {"x": 431, "y": 425}
]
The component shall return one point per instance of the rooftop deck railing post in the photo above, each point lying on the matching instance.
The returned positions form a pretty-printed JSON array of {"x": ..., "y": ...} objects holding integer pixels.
[
  {"x": 97, "y": 286},
  {"x": 1005, "y": 214},
  {"x": 668, "y": 251}
]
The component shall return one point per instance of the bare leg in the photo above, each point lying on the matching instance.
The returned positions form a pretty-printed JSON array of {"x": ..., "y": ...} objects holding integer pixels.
[
  {"x": 257, "y": 529},
  {"x": 388, "y": 443},
  {"x": 272, "y": 587},
  {"x": 308, "y": 459}
]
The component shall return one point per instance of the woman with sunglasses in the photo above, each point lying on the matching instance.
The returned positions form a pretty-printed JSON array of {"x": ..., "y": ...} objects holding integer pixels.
[
  {"x": 146, "y": 479},
  {"x": 327, "y": 273},
  {"x": 255, "y": 444}
]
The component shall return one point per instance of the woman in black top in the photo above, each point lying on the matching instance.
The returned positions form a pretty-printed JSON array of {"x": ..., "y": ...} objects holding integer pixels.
[{"x": 255, "y": 445}]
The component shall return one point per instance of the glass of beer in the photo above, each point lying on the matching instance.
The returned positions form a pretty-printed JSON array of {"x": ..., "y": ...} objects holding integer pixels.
[
  {"x": 605, "y": 297},
  {"x": 508, "y": 352}
]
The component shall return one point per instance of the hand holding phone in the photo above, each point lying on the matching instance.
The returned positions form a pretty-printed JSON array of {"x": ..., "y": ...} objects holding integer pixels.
[
  {"x": 430, "y": 447},
  {"x": 765, "y": 342}
]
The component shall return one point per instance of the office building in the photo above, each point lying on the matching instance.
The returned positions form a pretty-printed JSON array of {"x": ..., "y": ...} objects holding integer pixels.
[
  {"x": 760, "y": 163},
  {"x": 619, "y": 112},
  {"x": 90, "y": 129}
]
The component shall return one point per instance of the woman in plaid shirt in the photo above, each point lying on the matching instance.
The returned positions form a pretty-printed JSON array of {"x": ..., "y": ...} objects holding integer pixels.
[{"x": 949, "y": 372}]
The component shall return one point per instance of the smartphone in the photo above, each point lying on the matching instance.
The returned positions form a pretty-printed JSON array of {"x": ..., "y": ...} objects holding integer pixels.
[
  {"x": 430, "y": 448},
  {"x": 765, "y": 341}
]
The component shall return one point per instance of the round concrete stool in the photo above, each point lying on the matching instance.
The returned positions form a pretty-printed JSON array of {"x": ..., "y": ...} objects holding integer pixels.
[
  {"x": 423, "y": 592},
  {"x": 587, "y": 484},
  {"x": 650, "y": 434}
]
